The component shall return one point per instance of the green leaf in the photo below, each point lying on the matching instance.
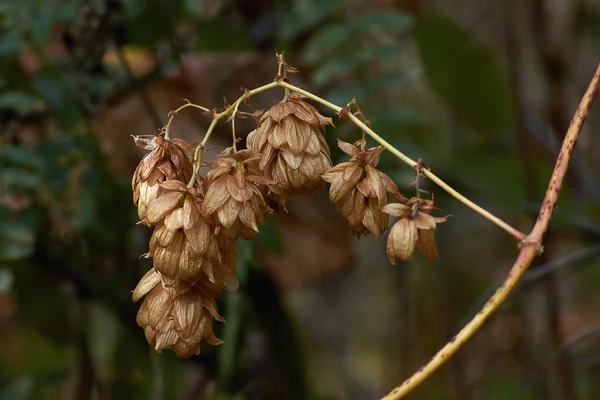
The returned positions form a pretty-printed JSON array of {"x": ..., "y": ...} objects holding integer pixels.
[
  {"x": 465, "y": 75},
  {"x": 20, "y": 156},
  {"x": 17, "y": 100},
  {"x": 103, "y": 332},
  {"x": 312, "y": 13},
  {"x": 6, "y": 280},
  {"x": 16, "y": 240},
  {"x": 10, "y": 43},
  {"x": 325, "y": 41},
  {"x": 269, "y": 237},
  {"x": 283, "y": 339},
  {"x": 19, "y": 389},
  {"x": 342, "y": 65},
  {"x": 227, "y": 356},
  {"x": 21, "y": 178},
  {"x": 503, "y": 388}
]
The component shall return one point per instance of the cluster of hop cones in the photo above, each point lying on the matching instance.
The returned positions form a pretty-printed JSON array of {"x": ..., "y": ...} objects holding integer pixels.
[{"x": 197, "y": 220}]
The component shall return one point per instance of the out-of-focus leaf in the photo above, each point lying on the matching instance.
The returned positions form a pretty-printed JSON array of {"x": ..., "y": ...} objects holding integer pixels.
[
  {"x": 233, "y": 316},
  {"x": 21, "y": 178},
  {"x": 366, "y": 89},
  {"x": 103, "y": 331},
  {"x": 218, "y": 35},
  {"x": 325, "y": 41},
  {"x": 493, "y": 175},
  {"x": 339, "y": 66},
  {"x": 6, "y": 280},
  {"x": 19, "y": 155},
  {"x": 269, "y": 237},
  {"x": 16, "y": 240},
  {"x": 59, "y": 98},
  {"x": 312, "y": 12},
  {"x": 502, "y": 388},
  {"x": 283, "y": 339},
  {"x": 10, "y": 43},
  {"x": 17, "y": 100},
  {"x": 42, "y": 357},
  {"x": 465, "y": 75},
  {"x": 19, "y": 389}
]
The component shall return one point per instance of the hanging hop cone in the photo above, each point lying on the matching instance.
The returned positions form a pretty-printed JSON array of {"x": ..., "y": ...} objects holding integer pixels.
[
  {"x": 179, "y": 316},
  {"x": 359, "y": 190},
  {"x": 415, "y": 228},
  {"x": 234, "y": 197},
  {"x": 294, "y": 152},
  {"x": 167, "y": 160},
  {"x": 183, "y": 243}
]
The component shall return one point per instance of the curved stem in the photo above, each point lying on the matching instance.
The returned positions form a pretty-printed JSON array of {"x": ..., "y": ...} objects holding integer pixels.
[
  {"x": 512, "y": 231},
  {"x": 216, "y": 118},
  {"x": 173, "y": 114},
  {"x": 531, "y": 247}
]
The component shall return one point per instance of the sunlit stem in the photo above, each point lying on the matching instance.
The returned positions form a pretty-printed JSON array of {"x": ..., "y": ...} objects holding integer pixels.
[
  {"x": 216, "y": 118},
  {"x": 173, "y": 114},
  {"x": 506, "y": 227}
]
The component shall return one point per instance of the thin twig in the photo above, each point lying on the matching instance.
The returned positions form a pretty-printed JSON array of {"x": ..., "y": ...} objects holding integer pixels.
[
  {"x": 519, "y": 236},
  {"x": 530, "y": 248},
  {"x": 173, "y": 114}
]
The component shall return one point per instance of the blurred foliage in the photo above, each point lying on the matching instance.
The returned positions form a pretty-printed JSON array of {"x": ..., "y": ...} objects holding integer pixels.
[{"x": 69, "y": 246}]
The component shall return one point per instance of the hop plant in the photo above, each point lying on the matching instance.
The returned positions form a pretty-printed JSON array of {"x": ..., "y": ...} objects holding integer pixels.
[
  {"x": 183, "y": 244},
  {"x": 177, "y": 316},
  {"x": 234, "y": 195},
  {"x": 167, "y": 160},
  {"x": 359, "y": 190},
  {"x": 415, "y": 228},
  {"x": 294, "y": 152}
]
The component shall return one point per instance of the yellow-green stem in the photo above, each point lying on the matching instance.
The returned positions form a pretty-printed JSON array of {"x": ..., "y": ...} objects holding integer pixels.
[
  {"x": 216, "y": 118},
  {"x": 512, "y": 231}
]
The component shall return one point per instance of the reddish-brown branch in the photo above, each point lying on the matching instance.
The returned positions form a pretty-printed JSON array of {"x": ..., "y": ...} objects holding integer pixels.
[{"x": 530, "y": 248}]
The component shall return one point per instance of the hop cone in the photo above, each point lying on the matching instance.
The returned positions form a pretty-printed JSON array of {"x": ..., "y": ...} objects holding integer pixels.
[
  {"x": 167, "y": 160},
  {"x": 294, "y": 152},
  {"x": 178, "y": 317},
  {"x": 359, "y": 190},
  {"x": 234, "y": 195}
]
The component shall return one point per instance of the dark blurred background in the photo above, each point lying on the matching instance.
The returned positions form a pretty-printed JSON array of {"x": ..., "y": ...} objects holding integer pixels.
[{"x": 483, "y": 91}]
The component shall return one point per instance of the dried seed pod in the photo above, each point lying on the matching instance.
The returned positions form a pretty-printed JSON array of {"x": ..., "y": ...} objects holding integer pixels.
[
  {"x": 167, "y": 160},
  {"x": 415, "y": 228},
  {"x": 178, "y": 317},
  {"x": 183, "y": 243},
  {"x": 294, "y": 152},
  {"x": 234, "y": 197},
  {"x": 359, "y": 190}
]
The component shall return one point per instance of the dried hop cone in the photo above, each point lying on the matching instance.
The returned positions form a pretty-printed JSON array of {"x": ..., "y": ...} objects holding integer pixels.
[
  {"x": 359, "y": 190},
  {"x": 183, "y": 243},
  {"x": 415, "y": 228},
  {"x": 167, "y": 160},
  {"x": 290, "y": 138},
  {"x": 234, "y": 195},
  {"x": 178, "y": 316}
]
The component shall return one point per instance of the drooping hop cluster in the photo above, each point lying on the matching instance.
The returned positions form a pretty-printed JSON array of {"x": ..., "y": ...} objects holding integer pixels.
[
  {"x": 415, "y": 228},
  {"x": 193, "y": 243},
  {"x": 294, "y": 152},
  {"x": 359, "y": 190}
]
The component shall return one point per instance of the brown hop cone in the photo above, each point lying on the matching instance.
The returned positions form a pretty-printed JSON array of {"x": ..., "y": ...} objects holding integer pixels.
[
  {"x": 167, "y": 160},
  {"x": 178, "y": 316},
  {"x": 294, "y": 152},
  {"x": 359, "y": 190},
  {"x": 415, "y": 228},
  {"x": 234, "y": 195},
  {"x": 183, "y": 244}
]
